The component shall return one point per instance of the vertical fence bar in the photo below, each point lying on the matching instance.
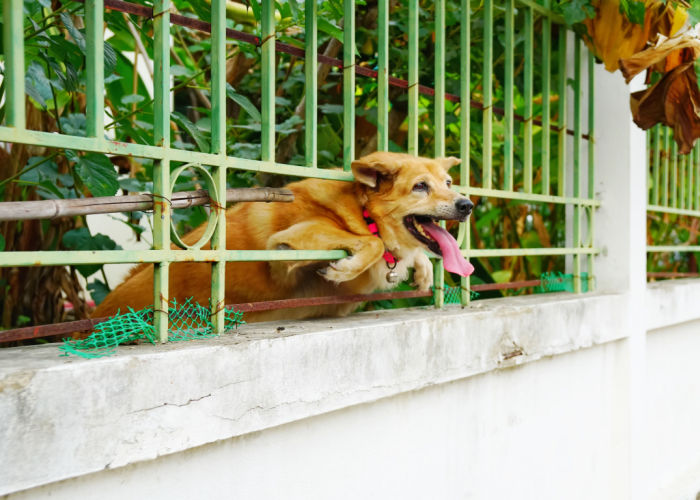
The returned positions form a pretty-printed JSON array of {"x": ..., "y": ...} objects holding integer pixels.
[
  {"x": 348, "y": 83},
  {"x": 508, "y": 138},
  {"x": 591, "y": 161},
  {"x": 655, "y": 165},
  {"x": 488, "y": 94},
  {"x": 465, "y": 108},
  {"x": 697, "y": 176},
  {"x": 667, "y": 157},
  {"x": 311, "y": 71},
  {"x": 439, "y": 270},
  {"x": 689, "y": 191},
  {"x": 383, "y": 77},
  {"x": 546, "y": 91},
  {"x": 527, "y": 125},
  {"x": 561, "y": 150},
  {"x": 577, "y": 162},
  {"x": 218, "y": 146},
  {"x": 13, "y": 41},
  {"x": 161, "y": 171},
  {"x": 413, "y": 77},
  {"x": 269, "y": 72},
  {"x": 674, "y": 175},
  {"x": 95, "y": 105},
  {"x": 681, "y": 181}
]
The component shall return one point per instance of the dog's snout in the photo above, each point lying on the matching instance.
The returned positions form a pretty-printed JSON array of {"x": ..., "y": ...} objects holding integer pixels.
[{"x": 464, "y": 206}]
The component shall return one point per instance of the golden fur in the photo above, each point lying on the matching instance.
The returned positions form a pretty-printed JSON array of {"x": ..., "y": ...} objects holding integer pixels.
[{"x": 325, "y": 215}]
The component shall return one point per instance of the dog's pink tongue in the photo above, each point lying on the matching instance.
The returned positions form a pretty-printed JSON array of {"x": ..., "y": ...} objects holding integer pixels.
[{"x": 451, "y": 254}]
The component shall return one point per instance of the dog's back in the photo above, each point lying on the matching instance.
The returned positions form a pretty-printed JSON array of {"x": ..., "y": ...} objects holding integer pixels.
[{"x": 249, "y": 226}]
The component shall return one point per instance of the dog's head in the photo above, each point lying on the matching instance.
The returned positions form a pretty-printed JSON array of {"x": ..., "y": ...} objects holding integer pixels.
[{"x": 407, "y": 196}]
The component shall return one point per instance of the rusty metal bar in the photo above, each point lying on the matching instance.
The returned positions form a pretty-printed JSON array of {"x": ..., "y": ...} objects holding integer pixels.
[
  {"x": 506, "y": 286},
  {"x": 662, "y": 274},
  {"x": 272, "y": 305},
  {"x": 36, "y": 332},
  {"x": 33, "y": 332}
]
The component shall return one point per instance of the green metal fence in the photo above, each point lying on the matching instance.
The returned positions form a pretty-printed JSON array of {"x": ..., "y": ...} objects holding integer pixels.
[
  {"x": 673, "y": 205},
  {"x": 556, "y": 167}
]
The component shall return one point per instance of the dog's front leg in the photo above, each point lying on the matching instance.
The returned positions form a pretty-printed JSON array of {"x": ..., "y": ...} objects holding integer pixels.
[
  {"x": 324, "y": 235},
  {"x": 423, "y": 272}
]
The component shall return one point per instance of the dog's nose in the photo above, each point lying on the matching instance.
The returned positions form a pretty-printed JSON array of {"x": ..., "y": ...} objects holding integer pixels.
[{"x": 464, "y": 206}]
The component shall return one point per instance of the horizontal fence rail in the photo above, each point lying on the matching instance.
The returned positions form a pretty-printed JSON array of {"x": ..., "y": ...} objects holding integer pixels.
[{"x": 549, "y": 137}]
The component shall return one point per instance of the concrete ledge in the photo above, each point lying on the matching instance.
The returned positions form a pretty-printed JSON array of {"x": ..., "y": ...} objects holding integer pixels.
[
  {"x": 672, "y": 302},
  {"x": 64, "y": 417}
]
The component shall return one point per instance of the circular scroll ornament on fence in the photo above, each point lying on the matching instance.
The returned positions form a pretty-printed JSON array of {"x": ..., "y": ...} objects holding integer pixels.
[{"x": 213, "y": 213}]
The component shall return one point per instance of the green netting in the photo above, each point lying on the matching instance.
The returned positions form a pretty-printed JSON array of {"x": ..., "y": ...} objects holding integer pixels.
[
  {"x": 453, "y": 295},
  {"x": 560, "y": 282},
  {"x": 188, "y": 321}
]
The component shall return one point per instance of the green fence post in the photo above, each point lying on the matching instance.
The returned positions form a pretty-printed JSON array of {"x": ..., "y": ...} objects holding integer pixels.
[
  {"x": 591, "y": 163},
  {"x": 95, "y": 105},
  {"x": 383, "y": 76},
  {"x": 438, "y": 268},
  {"x": 161, "y": 170},
  {"x": 546, "y": 91},
  {"x": 561, "y": 149},
  {"x": 13, "y": 40},
  {"x": 487, "y": 89},
  {"x": 528, "y": 90},
  {"x": 269, "y": 73},
  {"x": 348, "y": 84},
  {"x": 218, "y": 147},
  {"x": 577, "y": 162},
  {"x": 413, "y": 77},
  {"x": 311, "y": 81},
  {"x": 465, "y": 108},
  {"x": 508, "y": 101}
]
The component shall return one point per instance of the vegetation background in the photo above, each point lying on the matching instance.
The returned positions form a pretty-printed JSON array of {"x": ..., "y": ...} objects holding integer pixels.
[{"x": 55, "y": 84}]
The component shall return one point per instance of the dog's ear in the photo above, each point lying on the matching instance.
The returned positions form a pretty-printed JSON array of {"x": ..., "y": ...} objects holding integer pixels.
[
  {"x": 368, "y": 171},
  {"x": 448, "y": 163}
]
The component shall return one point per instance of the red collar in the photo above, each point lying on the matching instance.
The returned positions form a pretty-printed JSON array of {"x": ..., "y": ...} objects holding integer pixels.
[{"x": 372, "y": 226}]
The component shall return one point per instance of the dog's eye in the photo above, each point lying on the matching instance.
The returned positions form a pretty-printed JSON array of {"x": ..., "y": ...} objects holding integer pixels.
[
  {"x": 421, "y": 186},
  {"x": 448, "y": 182}
]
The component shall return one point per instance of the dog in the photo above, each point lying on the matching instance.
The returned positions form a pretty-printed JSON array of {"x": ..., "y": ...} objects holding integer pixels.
[{"x": 386, "y": 220}]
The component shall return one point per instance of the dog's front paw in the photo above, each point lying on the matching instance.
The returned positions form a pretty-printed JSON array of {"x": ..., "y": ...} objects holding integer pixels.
[
  {"x": 340, "y": 270},
  {"x": 423, "y": 274}
]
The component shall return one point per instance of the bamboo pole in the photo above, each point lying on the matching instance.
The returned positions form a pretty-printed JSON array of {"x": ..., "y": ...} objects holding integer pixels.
[{"x": 51, "y": 209}]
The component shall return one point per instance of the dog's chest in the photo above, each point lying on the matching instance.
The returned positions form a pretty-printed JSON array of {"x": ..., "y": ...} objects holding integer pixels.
[{"x": 386, "y": 276}]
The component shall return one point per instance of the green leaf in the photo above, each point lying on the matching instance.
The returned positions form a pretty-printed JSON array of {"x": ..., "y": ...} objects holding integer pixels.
[
  {"x": 184, "y": 123},
  {"x": 45, "y": 170},
  {"x": 110, "y": 59},
  {"x": 331, "y": 108},
  {"x": 132, "y": 98},
  {"x": 634, "y": 10},
  {"x": 2, "y": 243},
  {"x": 74, "y": 124},
  {"x": 98, "y": 174},
  {"x": 81, "y": 239},
  {"x": 330, "y": 29},
  {"x": 244, "y": 103},
  {"x": 74, "y": 32},
  {"x": 576, "y": 11},
  {"x": 37, "y": 85},
  {"x": 98, "y": 291},
  {"x": 178, "y": 70}
]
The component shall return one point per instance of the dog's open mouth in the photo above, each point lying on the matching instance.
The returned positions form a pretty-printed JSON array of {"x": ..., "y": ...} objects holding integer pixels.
[{"x": 426, "y": 230}]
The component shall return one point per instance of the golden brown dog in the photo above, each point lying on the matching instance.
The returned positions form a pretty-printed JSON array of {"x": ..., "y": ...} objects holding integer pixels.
[{"x": 403, "y": 194}]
